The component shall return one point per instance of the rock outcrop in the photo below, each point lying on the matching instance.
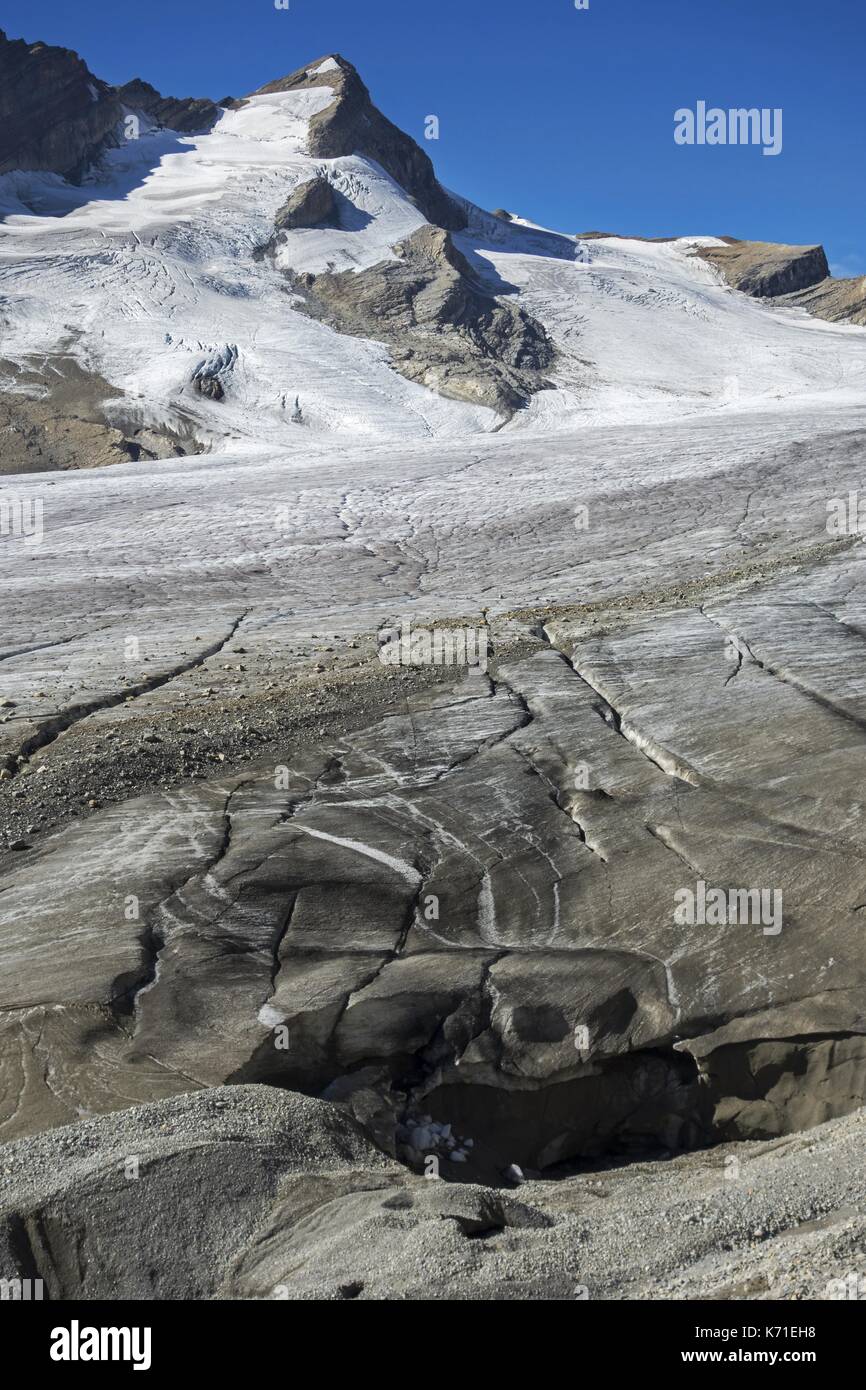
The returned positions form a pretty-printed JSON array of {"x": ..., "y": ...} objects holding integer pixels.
[
  {"x": 191, "y": 115},
  {"x": 211, "y": 377},
  {"x": 311, "y": 205},
  {"x": 443, "y": 328},
  {"x": 59, "y": 418},
  {"x": 35, "y": 438},
  {"x": 795, "y": 277},
  {"x": 836, "y": 300},
  {"x": 351, "y": 124},
  {"x": 764, "y": 269},
  {"x": 54, "y": 114}
]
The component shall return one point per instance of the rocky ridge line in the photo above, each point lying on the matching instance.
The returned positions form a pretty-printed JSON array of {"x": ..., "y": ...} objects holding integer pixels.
[
  {"x": 56, "y": 116},
  {"x": 794, "y": 277}
]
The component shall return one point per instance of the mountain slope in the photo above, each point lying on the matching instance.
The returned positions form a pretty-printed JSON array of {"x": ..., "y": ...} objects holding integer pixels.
[{"x": 196, "y": 308}]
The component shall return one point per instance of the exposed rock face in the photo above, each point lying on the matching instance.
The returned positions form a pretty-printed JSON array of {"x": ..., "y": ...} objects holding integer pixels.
[
  {"x": 34, "y": 438},
  {"x": 57, "y": 116},
  {"x": 54, "y": 114},
  {"x": 795, "y": 277},
  {"x": 764, "y": 269},
  {"x": 353, "y": 125},
  {"x": 443, "y": 329},
  {"x": 69, "y": 426},
  {"x": 246, "y": 1192},
  {"x": 837, "y": 300},
  {"x": 311, "y": 205},
  {"x": 189, "y": 114},
  {"x": 209, "y": 386}
]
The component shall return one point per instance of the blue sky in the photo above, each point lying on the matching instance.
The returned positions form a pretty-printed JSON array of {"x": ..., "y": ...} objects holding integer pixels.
[{"x": 561, "y": 115}]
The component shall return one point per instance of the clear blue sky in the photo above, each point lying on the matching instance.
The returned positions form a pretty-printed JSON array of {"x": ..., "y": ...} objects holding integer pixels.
[{"x": 561, "y": 115}]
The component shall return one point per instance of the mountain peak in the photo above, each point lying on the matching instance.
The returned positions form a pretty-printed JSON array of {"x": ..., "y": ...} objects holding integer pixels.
[
  {"x": 352, "y": 124},
  {"x": 54, "y": 113},
  {"x": 330, "y": 70}
]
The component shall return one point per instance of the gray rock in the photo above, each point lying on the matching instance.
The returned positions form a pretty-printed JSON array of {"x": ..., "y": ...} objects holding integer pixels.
[
  {"x": 211, "y": 377},
  {"x": 208, "y": 385},
  {"x": 444, "y": 330},
  {"x": 311, "y": 205},
  {"x": 764, "y": 269},
  {"x": 56, "y": 115}
]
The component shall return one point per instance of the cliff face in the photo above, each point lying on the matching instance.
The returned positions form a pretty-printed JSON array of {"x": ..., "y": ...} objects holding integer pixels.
[
  {"x": 796, "y": 277},
  {"x": 764, "y": 269},
  {"x": 54, "y": 114},
  {"x": 188, "y": 114},
  {"x": 353, "y": 125}
]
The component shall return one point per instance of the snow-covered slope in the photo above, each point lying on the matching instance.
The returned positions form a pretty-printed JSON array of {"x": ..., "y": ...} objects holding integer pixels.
[
  {"x": 146, "y": 274},
  {"x": 150, "y": 274}
]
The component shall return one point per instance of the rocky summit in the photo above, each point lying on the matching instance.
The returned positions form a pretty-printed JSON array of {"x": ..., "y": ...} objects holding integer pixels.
[
  {"x": 56, "y": 116},
  {"x": 432, "y": 724}
]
